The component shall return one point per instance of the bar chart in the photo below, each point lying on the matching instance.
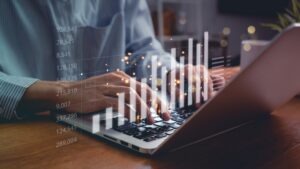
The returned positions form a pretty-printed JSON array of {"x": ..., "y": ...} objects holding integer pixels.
[{"x": 186, "y": 86}]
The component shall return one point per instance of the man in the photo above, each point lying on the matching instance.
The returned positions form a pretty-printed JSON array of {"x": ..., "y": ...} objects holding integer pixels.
[{"x": 69, "y": 55}]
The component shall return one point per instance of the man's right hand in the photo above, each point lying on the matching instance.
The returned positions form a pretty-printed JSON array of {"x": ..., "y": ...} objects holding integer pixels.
[{"x": 93, "y": 94}]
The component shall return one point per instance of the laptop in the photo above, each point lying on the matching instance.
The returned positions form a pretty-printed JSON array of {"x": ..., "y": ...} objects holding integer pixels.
[{"x": 267, "y": 83}]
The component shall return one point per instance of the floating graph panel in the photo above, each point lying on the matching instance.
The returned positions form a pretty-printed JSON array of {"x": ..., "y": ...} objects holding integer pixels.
[{"x": 191, "y": 90}]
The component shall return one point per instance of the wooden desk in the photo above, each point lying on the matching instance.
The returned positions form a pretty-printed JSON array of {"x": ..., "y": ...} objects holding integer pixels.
[{"x": 270, "y": 143}]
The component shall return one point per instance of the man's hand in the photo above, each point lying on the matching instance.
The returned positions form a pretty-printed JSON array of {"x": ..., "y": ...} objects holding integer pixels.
[
  {"x": 200, "y": 74},
  {"x": 93, "y": 94}
]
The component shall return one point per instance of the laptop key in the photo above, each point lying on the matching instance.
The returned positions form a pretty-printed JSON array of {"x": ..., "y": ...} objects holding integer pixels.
[
  {"x": 126, "y": 126},
  {"x": 175, "y": 126},
  {"x": 175, "y": 115},
  {"x": 180, "y": 123},
  {"x": 141, "y": 129},
  {"x": 170, "y": 132},
  {"x": 142, "y": 135},
  {"x": 148, "y": 139},
  {"x": 158, "y": 119},
  {"x": 156, "y": 130},
  {"x": 150, "y": 126},
  {"x": 160, "y": 124},
  {"x": 185, "y": 116},
  {"x": 161, "y": 135},
  {"x": 170, "y": 122},
  {"x": 138, "y": 135},
  {"x": 168, "y": 128},
  {"x": 129, "y": 132},
  {"x": 177, "y": 119},
  {"x": 142, "y": 124},
  {"x": 173, "y": 112}
]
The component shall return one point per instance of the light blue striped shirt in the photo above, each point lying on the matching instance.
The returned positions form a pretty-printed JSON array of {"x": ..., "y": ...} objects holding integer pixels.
[{"x": 71, "y": 40}]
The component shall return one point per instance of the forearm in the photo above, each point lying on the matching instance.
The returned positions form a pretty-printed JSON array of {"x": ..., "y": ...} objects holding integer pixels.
[{"x": 40, "y": 96}]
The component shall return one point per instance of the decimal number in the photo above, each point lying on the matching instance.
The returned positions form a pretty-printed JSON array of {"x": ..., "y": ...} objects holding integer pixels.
[
  {"x": 67, "y": 141},
  {"x": 63, "y": 42},
  {"x": 66, "y": 117},
  {"x": 65, "y": 29},
  {"x": 63, "y": 105},
  {"x": 65, "y": 67},
  {"x": 66, "y": 92},
  {"x": 63, "y": 54},
  {"x": 62, "y": 130}
]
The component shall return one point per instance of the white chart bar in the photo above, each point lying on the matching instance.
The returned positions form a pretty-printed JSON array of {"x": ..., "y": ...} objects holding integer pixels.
[
  {"x": 205, "y": 97},
  {"x": 198, "y": 74},
  {"x": 190, "y": 73},
  {"x": 144, "y": 98},
  {"x": 181, "y": 79},
  {"x": 154, "y": 80},
  {"x": 121, "y": 108},
  {"x": 132, "y": 100},
  {"x": 164, "y": 87},
  {"x": 172, "y": 81},
  {"x": 108, "y": 118},
  {"x": 96, "y": 123}
]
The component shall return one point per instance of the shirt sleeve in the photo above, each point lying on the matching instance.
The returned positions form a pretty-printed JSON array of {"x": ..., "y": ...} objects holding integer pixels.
[
  {"x": 12, "y": 89},
  {"x": 141, "y": 41}
]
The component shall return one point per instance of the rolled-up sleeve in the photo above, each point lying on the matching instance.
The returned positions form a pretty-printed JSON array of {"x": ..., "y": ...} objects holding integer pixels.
[
  {"x": 141, "y": 41},
  {"x": 12, "y": 88}
]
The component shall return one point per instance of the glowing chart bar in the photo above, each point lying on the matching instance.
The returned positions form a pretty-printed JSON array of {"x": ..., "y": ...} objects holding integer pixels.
[
  {"x": 132, "y": 100},
  {"x": 190, "y": 73},
  {"x": 206, "y": 66},
  {"x": 173, "y": 80},
  {"x": 121, "y": 108},
  {"x": 96, "y": 123},
  {"x": 164, "y": 86},
  {"x": 108, "y": 118},
  {"x": 198, "y": 73},
  {"x": 144, "y": 98},
  {"x": 154, "y": 80},
  {"x": 181, "y": 79}
]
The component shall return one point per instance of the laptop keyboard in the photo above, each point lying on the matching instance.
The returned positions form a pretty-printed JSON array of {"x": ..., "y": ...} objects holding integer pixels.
[{"x": 159, "y": 129}]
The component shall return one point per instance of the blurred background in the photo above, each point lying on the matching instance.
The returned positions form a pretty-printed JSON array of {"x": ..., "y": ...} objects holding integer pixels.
[{"x": 228, "y": 22}]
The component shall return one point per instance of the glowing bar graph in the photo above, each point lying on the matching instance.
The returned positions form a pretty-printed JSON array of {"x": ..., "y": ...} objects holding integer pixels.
[
  {"x": 173, "y": 80},
  {"x": 132, "y": 100},
  {"x": 164, "y": 86},
  {"x": 144, "y": 98},
  {"x": 108, "y": 118},
  {"x": 154, "y": 80},
  {"x": 96, "y": 123},
  {"x": 190, "y": 73},
  {"x": 205, "y": 97},
  {"x": 198, "y": 73},
  {"x": 121, "y": 108},
  {"x": 181, "y": 79}
]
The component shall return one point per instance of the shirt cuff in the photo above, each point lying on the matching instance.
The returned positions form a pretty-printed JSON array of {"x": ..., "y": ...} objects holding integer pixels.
[{"x": 12, "y": 89}]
